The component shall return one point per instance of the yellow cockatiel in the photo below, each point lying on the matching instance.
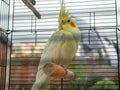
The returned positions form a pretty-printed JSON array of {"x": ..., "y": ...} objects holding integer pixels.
[{"x": 59, "y": 51}]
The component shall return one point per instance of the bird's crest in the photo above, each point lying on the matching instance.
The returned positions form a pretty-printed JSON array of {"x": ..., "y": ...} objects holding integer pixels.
[{"x": 63, "y": 13}]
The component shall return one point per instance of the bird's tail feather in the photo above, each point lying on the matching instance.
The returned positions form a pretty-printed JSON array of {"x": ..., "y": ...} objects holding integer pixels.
[{"x": 41, "y": 81}]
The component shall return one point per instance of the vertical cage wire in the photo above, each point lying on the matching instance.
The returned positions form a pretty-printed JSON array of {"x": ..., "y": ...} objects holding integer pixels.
[
  {"x": 97, "y": 22},
  {"x": 117, "y": 37}
]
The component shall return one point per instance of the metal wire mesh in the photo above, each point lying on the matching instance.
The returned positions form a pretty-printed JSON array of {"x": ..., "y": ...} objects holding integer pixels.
[
  {"x": 4, "y": 44},
  {"x": 96, "y": 59}
]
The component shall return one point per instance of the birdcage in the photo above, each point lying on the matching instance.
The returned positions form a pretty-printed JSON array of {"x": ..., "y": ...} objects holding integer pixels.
[{"x": 23, "y": 38}]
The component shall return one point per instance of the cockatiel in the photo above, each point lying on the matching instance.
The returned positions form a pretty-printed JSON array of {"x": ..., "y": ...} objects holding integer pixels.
[{"x": 59, "y": 50}]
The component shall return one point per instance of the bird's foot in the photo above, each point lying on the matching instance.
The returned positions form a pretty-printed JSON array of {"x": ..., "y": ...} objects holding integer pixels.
[{"x": 57, "y": 71}]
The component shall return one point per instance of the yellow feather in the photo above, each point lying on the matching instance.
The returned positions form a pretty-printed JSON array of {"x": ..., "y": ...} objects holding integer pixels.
[{"x": 63, "y": 13}]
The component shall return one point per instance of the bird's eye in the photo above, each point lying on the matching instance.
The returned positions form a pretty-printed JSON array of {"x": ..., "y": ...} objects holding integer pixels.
[{"x": 68, "y": 20}]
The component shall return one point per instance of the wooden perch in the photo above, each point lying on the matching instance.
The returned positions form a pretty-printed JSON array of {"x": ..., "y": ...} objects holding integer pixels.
[
  {"x": 31, "y": 7},
  {"x": 57, "y": 71}
]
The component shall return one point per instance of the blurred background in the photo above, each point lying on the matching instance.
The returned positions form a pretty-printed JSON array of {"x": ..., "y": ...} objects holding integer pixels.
[{"x": 23, "y": 38}]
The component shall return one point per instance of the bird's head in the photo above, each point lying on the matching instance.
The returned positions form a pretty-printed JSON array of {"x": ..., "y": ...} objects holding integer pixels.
[{"x": 66, "y": 22}]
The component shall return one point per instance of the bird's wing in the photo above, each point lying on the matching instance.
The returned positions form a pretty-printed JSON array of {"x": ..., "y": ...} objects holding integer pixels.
[
  {"x": 52, "y": 48},
  {"x": 53, "y": 40}
]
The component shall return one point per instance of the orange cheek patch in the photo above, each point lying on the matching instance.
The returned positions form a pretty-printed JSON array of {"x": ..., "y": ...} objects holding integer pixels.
[{"x": 72, "y": 24}]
